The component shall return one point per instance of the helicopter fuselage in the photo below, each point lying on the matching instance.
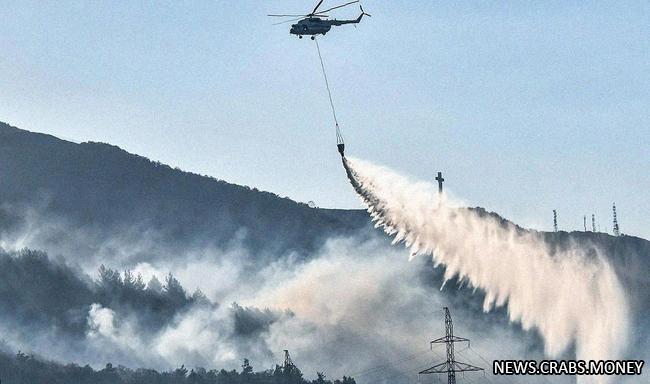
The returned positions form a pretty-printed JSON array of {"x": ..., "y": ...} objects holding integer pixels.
[
  {"x": 317, "y": 26},
  {"x": 311, "y": 26}
]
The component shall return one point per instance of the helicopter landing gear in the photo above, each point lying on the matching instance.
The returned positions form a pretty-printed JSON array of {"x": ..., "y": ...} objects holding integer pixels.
[{"x": 313, "y": 37}]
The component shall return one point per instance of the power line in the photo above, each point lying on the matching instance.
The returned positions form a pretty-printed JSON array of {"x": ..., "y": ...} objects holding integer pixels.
[
  {"x": 396, "y": 365},
  {"x": 470, "y": 360},
  {"x": 480, "y": 356},
  {"x": 402, "y": 373},
  {"x": 381, "y": 367}
]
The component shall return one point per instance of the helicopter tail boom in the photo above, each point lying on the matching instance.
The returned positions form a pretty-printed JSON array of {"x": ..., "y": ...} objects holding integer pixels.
[{"x": 355, "y": 21}]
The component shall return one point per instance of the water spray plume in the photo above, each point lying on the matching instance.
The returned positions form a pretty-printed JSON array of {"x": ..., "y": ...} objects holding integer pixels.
[{"x": 571, "y": 296}]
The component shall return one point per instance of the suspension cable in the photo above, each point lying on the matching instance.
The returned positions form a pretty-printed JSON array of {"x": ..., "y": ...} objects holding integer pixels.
[{"x": 339, "y": 136}]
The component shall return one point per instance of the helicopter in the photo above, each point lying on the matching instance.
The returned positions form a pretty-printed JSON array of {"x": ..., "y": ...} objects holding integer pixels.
[{"x": 314, "y": 23}]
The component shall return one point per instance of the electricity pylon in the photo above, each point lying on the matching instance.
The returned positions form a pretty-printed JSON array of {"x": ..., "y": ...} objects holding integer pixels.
[
  {"x": 288, "y": 364},
  {"x": 451, "y": 366}
]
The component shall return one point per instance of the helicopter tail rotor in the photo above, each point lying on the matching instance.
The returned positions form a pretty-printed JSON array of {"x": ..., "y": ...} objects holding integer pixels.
[{"x": 358, "y": 20}]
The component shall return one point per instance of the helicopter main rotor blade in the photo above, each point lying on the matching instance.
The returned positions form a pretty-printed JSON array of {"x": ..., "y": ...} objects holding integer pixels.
[
  {"x": 296, "y": 19},
  {"x": 287, "y": 21},
  {"x": 316, "y": 8},
  {"x": 339, "y": 6},
  {"x": 287, "y": 15}
]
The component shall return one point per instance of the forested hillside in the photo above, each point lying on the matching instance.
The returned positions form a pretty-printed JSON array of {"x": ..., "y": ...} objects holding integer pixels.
[{"x": 101, "y": 187}]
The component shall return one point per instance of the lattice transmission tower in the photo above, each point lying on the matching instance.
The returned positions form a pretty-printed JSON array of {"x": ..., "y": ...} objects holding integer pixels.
[
  {"x": 451, "y": 366},
  {"x": 288, "y": 364}
]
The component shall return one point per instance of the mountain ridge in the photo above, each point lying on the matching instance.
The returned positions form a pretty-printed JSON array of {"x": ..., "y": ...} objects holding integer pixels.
[
  {"x": 86, "y": 181},
  {"x": 96, "y": 184}
]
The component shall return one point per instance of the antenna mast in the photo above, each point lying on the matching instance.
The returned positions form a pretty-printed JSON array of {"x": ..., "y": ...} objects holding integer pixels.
[
  {"x": 617, "y": 232},
  {"x": 555, "y": 220},
  {"x": 593, "y": 222},
  {"x": 451, "y": 366}
]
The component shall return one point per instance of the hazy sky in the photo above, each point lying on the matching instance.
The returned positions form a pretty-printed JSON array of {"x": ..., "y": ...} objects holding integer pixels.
[{"x": 526, "y": 107}]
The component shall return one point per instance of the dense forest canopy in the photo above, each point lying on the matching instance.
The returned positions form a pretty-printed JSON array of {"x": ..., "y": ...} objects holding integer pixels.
[
  {"x": 23, "y": 368},
  {"x": 37, "y": 292}
]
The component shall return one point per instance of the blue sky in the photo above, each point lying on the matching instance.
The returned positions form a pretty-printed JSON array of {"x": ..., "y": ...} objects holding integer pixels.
[{"x": 526, "y": 107}]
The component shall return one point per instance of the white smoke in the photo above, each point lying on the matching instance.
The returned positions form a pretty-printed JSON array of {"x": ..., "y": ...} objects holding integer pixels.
[
  {"x": 356, "y": 305},
  {"x": 569, "y": 296},
  {"x": 102, "y": 324},
  {"x": 354, "y": 308},
  {"x": 354, "y": 298}
]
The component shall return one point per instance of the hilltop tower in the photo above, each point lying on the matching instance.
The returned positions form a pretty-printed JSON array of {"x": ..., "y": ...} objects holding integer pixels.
[
  {"x": 616, "y": 230},
  {"x": 554, "y": 220},
  {"x": 593, "y": 222}
]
